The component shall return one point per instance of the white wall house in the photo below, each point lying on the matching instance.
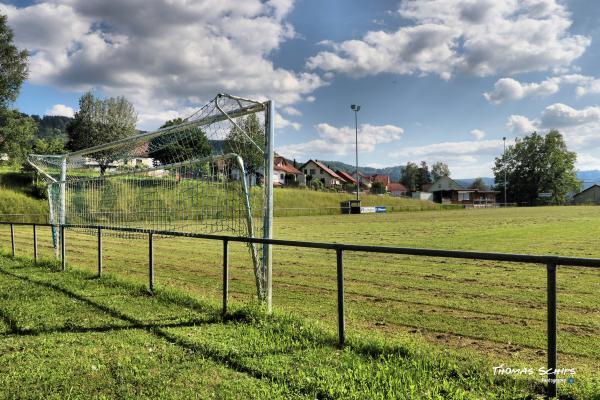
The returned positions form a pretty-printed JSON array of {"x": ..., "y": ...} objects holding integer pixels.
[{"x": 319, "y": 171}]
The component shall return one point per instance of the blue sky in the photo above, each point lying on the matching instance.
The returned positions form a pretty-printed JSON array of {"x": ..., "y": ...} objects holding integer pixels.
[{"x": 437, "y": 80}]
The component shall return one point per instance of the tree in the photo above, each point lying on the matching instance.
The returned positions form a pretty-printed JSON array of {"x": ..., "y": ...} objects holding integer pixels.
[
  {"x": 378, "y": 188},
  {"x": 13, "y": 65},
  {"x": 101, "y": 121},
  {"x": 16, "y": 134},
  {"x": 194, "y": 144},
  {"x": 439, "y": 170},
  {"x": 49, "y": 146},
  {"x": 537, "y": 164},
  {"x": 410, "y": 176},
  {"x": 244, "y": 143},
  {"x": 479, "y": 184},
  {"x": 423, "y": 176}
]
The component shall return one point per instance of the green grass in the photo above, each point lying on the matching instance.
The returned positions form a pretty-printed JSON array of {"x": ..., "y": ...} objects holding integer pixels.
[
  {"x": 294, "y": 200},
  {"x": 68, "y": 335},
  {"x": 15, "y": 202},
  {"x": 476, "y": 308}
]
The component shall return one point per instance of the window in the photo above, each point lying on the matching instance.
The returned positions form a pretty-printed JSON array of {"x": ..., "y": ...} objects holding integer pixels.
[
  {"x": 312, "y": 171},
  {"x": 463, "y": 196},
  {"x": 321, "y": 172},
  {"x": 282, "y": 177},
  {"x": 305, "y": 172}
]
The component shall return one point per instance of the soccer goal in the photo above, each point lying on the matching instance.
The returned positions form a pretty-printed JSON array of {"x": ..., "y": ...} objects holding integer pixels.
[{"x": 211, "y": 173}]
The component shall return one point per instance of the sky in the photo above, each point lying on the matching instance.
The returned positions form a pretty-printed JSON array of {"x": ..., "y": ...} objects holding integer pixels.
[{"x": 437, "y": 80}]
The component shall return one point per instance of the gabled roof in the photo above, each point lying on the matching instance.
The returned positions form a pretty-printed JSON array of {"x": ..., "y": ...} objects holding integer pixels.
[
  {"x": 346, "y": 176},
  {"x": 457, "y": 185},
  {"x": 324, "y": 168},
  {"x": 396, "y": 187},
  {"x": 583, "y": 191},
  {"x": 385, "y": 179},
  {"x": 281, "y": 164}
]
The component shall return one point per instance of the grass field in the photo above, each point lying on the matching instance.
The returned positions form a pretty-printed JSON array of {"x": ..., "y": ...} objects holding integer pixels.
[{"x": 495, "y": 311}]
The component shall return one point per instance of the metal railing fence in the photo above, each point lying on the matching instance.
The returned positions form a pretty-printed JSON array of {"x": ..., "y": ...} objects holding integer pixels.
[{"x": 551, "y": 263}]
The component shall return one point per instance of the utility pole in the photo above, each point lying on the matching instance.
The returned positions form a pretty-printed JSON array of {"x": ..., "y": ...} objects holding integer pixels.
[{"x": 356, "y": 109}]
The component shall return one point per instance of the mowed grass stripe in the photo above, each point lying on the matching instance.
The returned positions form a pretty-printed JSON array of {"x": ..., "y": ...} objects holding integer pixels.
[
  {"x": 274, "y": 357},
  {"x": 305, "y": 279}
]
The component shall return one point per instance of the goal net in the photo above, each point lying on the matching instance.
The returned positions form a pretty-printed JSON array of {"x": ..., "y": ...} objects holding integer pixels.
[{"x": 210, "y": 173}]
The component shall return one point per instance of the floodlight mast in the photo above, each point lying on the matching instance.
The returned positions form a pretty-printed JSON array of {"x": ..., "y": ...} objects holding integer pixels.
[{"x": 356, "y": 109}]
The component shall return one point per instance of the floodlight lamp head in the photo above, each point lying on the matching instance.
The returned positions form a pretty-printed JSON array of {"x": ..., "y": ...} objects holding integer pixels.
[{"x": 354, "y": 107}]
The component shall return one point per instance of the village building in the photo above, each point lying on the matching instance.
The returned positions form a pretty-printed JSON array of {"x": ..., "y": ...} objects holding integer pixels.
[
  {"x": 590, "y": 195},
  {"x": 447, "y": 191},
  {"x": 314, "y": 169}
]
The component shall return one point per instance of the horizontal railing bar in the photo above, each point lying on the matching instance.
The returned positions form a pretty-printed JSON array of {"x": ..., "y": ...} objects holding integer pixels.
[{"x": 469, "y": 255}]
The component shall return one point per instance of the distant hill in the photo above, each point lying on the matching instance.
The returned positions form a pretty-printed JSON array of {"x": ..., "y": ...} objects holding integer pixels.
[
  {"x": 393, "y": 172},
  {"x": 468, "y": 181},
  {"x": 589, "y": 178},
  {"x": 51, "y": 126}
]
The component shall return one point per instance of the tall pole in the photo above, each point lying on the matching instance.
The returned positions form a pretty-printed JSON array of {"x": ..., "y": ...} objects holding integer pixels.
[
  {"x": 356, "y": 109},
  {"x": 504, "y": 156},
  {"x": 268, "y": 217}
]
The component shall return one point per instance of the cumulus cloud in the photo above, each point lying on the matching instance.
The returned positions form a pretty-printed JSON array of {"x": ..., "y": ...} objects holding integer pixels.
[
  {"x": 477, "y": 134},
  {"x": 580, "y": 128},
  {"x": 282, "y": 123},
  {"x": 341, "y": 140},
  {"x": 289, "y": 110},
  {"x": 164, "y": 54},
  {"x": 509, "y": 89},
  {"x": 519, "y": 124},
  {"x": 480, "y": 37},
  {"x": 451, "y": 149},
  {"x": 61, "y": 110}
]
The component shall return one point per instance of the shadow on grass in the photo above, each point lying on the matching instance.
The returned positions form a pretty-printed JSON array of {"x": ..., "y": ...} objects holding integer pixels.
[{"x": 301, "y": 337}]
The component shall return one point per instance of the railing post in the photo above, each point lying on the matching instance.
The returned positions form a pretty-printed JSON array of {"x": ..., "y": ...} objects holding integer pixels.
[
  {"x": 63, "y": 261},
  {"x": 151, "y": 261},
  {"x": 225, "y": 275},
  {"x": 551, "y": 274},
  {"x": 340, "y": 297},
  {"x": 99, "y": 252},
  {"x": 35, "y": 244},
  {"x": 12, "y": 239}
]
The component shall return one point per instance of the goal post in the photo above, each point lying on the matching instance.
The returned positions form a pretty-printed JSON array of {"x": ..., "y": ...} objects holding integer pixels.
[{"x": 211, "y": 173}]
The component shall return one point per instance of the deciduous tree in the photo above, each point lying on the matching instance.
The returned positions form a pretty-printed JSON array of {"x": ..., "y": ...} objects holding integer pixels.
[
  {"x": 537, "y": 164},
  {"x": 101, "y": 121}
]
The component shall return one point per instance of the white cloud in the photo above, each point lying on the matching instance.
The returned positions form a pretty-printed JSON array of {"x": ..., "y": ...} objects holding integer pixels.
[
  {"x": 164, "y": 54},
  {"x": 341, "y": 140},
  {"x": 282, "y": 123},
  {"x": 481, "y": 37},
  {"x": 477, "y": 134},
  {"x": 579, "y": 127},
  {"x": 61, "y": 110},
  {"x": 289, "y": 110},
  {"x": 509, "y": 89},
  {"x": 466, "y": 159},
  {"x": 518, "y": 124},
  {"x": 450, "y": 149}
]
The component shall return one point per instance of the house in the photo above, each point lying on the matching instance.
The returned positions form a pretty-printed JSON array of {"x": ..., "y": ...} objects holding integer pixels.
[
  {"x": 447, "y": 191},
  {"x": 314, "y": 169},
  {"x": 365, "y": 180},
  {"x": 284, "y": 173},
  {"x": 349, "y": 181},
  {"x": 590, "y": 195},
  {"x": 383, "y": 179},
  {"x": 397, "y": 189}
]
